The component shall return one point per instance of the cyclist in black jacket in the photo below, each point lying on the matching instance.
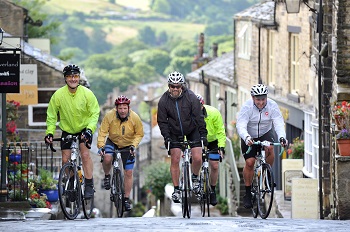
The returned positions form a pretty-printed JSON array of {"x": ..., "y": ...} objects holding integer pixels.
[{"x": 180, "y": 115}]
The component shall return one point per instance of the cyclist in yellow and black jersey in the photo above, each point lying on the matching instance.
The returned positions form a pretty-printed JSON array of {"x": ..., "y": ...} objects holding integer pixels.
[
  {"x": 216, "y": 143},
  {"x": 121, "y": 128}
]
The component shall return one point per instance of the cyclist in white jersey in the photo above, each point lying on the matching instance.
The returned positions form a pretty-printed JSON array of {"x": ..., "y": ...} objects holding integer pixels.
[{"x": 254, "y": 122}]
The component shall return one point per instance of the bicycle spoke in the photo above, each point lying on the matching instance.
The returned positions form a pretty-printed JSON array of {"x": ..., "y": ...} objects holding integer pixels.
[
  {"x": 117, "y": 191},
  {"x": 255, "y": 196}
]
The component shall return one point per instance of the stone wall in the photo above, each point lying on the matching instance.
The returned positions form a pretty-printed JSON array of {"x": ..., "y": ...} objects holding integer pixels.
[{"x": 12, "y": 22}]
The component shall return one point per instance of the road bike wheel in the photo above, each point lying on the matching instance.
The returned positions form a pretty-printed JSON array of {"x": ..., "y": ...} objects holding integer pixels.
[
  {"x": 69, "y": 196},
  {"x": 88, "y": 204},
  {"x": 183, "y": 192},
  {"x": 207, "y": 190},
  {"x": 118, "y": 192},
  {"x": 255, "y": 196},
  {"x": 188, "y": 190},
  {"x": 202, "y": 194},
  {"x": 266, "y": 191}
]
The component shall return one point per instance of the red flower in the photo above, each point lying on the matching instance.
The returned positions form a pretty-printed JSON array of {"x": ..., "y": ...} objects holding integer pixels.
[{"x": 11, "y": 127}]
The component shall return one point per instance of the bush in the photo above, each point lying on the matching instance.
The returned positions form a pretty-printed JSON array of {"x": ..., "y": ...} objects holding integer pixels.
[
  {"x": 157, "y": 177},
  {"x": 222, "y": 205}
]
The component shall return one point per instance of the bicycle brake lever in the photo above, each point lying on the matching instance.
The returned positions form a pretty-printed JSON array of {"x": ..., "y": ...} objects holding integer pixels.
[{"x": 51, "y": 147}]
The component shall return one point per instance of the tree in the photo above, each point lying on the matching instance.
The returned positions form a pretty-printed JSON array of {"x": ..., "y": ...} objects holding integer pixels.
[
  {"x": 157, "y": 58},
  {"x": 147, "y": 35},
  {"x": 180, "y": 64},
  {"x": 157, "y": 177}
]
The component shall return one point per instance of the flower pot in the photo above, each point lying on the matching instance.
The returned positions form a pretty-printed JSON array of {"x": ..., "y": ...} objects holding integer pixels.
[
  {"x": 52, "y": 194},
  {"x": 344, "y": 147},
  {"x": 15, "y": 158}
]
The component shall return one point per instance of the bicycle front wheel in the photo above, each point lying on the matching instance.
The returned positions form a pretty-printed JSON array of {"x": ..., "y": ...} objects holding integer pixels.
[
  {"x": 255, "y": 196},
  {"x": 88, "y": 204},
  {"x": 202, "y": 193},
  {"x": 186, "y": 192},
  {"x": 266, "y": 187},
  {"x": 69, "y": 191},
  {"x": 207, "y": 190},
  {"x": 117, "y": 190}
]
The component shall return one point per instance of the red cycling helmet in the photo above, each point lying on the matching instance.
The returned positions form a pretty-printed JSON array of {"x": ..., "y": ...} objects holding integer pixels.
[{"x": 122, "y": 100}]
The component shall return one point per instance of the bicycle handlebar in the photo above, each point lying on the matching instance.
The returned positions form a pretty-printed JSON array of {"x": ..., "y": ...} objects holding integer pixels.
[
  {"x": 67, "y": 139},
  {"x": 264, "y": 144},
  {"x": 116, "y": 151},
  {"x": 185, "y": 143}
]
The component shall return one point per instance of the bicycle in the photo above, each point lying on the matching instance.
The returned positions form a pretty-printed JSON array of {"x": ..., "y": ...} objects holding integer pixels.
[
  {"x": 71, "y": 182},
  {"x": 204, "y": 183},
  {"x": 117, "y": 186},
  {"x": 262, "y": 188},
  {"x": 185, "y": 178}
]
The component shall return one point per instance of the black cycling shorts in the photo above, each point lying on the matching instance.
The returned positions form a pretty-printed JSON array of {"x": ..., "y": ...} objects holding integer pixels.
[
  {"x": 65, "y": 145},
  {"x": 193, "y": 136},
  {"x": 127, "y": 158},
  {"x": 269, "y": 136}
]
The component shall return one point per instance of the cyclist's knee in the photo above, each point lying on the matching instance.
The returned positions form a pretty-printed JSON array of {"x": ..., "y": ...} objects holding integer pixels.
[
  {"x": 249, "y": 163},
  {"x": 128, "y": 173}
]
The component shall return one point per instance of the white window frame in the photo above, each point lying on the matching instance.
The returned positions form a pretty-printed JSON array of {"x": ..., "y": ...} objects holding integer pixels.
[
  {"x": 294, "y": 63},
  {"x": 271, "y": 58},
  {"x": 244, "y": 41}
]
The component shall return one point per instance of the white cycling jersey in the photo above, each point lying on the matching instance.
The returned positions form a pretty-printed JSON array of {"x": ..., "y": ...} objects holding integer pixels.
[{"x": 254, "y": 122}]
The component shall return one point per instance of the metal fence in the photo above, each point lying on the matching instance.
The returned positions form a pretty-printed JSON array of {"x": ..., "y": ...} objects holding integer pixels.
[{"x": 23, "y": 162}]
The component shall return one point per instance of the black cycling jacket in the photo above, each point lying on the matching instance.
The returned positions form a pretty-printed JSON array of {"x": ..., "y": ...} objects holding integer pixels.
[{"x": 189, "y": 110}]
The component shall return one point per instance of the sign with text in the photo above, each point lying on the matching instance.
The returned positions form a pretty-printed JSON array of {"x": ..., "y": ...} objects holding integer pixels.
[
  {"x": 9, "y": 73},
  {"x": 29, "y": 86},
  {"x": 305, "y": 198}
]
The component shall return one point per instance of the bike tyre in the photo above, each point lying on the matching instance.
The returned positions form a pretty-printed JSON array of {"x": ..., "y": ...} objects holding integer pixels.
[
  {"x": 266, "y": 191},
  {"x": 88, "y": 204},
  {"x": 255, "y": 196},
  {"x": 188, "y": 194},
  {"x": 207, "y": 190},
  {"x": 202, "y": 194},
  {"x": 72, "y": 211},
  {"x": 117, "y": 183}
]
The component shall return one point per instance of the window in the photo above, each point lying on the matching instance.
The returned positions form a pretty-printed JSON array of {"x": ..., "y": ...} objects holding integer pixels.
[
  {"x": 37, "y": 113},
  {"x": 271, "y": 57},
  {"x": 214, "y": 92},
  {"x": 244, "y": 41},
  {"x": 294, "y": 63}
]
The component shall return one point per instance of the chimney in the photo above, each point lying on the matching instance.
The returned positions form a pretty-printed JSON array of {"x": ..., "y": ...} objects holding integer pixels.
[
  {"x": 201, "y": 45},
  {"x": 215, "y": 50}
]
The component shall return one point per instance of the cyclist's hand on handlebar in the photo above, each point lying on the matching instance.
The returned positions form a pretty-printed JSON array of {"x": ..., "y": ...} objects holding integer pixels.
[
  {"x": 88, "y": 136},
  {"x": 101, "y": 151},
  {"x": 248, "y": 140},
  {"x": 222, "y": 152},
  {"x": 132, "y": 150},
  {"x": 284, "y": 142},
  {"x": 48, "y": 139},
  {"x": 167, "y": 142}
]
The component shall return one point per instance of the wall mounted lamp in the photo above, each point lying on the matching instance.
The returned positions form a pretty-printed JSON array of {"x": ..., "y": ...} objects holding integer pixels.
[
  {"x": 1, "y": 35},
  {"x": 293, "y": 6}
]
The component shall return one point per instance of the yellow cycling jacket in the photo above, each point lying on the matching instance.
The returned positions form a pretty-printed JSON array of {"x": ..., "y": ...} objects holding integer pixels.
[
  {"x": 77, "y": 111},
  {"x": 214, "y": 125},
  {"x": 123, "y": 134}
]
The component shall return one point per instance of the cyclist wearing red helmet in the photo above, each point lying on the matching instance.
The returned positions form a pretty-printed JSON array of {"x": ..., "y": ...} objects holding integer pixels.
[
  {"x": 79, "y": 112},
  {"x": 254, "y": 122},
  {"x": 121, "y": 128}
]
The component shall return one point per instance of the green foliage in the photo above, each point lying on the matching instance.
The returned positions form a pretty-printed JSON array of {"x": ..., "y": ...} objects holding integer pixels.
[
  {"x": 138, "y": 210},
  {"x": 296, "y": 149},
  {"x": 157, "y": 177},
  {"x": 180, "y": 64},
  {"x": 157, "y": 58},
  {"x": 147, "y": 35},
  {"x": 222, "y": 205},
  {"x": 184, "y": 49},
  {"x": 45, "y": 180}
]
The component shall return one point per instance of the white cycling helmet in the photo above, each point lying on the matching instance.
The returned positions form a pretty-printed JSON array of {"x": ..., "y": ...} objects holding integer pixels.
[
  {"x": 176, "y": 78},
  {"x": 258, "y": 90},
  {"x": 200, "y": 98}
]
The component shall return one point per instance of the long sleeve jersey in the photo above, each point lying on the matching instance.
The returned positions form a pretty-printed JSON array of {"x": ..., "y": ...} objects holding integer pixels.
[
  {"x": 76, "y": 111},
  {"x": 254, "y": 122},
  {"x": 215, "y": 125},
  {"x": 180, "y": 116},
  {"x": 123, "y": 134}
]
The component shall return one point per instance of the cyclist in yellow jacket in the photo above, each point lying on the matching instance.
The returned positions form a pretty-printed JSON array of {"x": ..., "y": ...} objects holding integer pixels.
[
  {"x": 78, "y": 110},
  {"x": 216, "y": 143},
  {"x": 121, "y": 128}
]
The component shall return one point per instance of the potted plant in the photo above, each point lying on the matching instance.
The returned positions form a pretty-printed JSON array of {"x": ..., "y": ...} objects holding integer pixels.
[
  {"x": 343, "y": 141},
  {"x": 296, "y": 149},
  {"x": 47, "y": 185},
  {"x": 341, "y": 114},
  {"x": 37, "y": 200}
]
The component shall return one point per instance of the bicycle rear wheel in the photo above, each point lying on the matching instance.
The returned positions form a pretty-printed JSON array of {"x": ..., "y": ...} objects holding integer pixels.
[
  {"x": 68, "y": 192},
  {"x": 266, "y": 191},
  {"x": 117, "y": 190},
  {"x": 207, "y": 190},
  {"x": 88, "y": 204}
]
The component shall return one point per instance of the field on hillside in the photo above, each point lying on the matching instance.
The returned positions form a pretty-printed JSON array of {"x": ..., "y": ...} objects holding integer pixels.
[{"x": 120, "y": 30}]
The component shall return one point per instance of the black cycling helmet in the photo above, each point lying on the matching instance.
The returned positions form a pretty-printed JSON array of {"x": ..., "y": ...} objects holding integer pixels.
[
  {"x": 71, "y": 69},
  {"x": 259, "y": 90},
  {"x": 122, "y": 100}
]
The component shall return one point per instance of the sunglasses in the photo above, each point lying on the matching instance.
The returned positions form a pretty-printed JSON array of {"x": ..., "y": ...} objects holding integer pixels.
[
  {"x": 175, "y": 86},
  {"x": 70, "y": 76}
]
